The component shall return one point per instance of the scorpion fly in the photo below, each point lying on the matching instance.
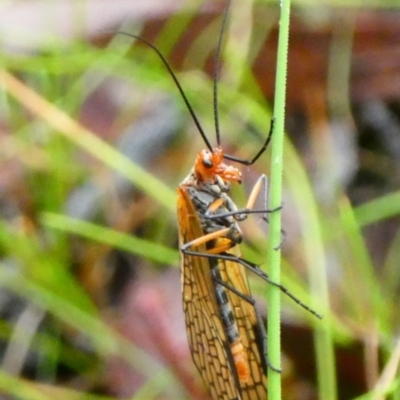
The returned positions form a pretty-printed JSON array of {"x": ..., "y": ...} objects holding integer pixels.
[{"x": 226, "y": 336}]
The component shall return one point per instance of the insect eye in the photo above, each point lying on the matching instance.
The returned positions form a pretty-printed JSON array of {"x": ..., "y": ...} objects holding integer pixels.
[{"x": 207, "y": 162}]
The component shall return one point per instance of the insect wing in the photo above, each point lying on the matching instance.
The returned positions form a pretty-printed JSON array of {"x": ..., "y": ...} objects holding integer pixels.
[
  {"x": 208, "y": 342},
  {"x": 205, "y": 332}
]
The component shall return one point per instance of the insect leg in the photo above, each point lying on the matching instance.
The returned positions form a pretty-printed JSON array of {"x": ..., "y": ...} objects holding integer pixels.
[
  {"x": 224, "y": 244},
  {"x": 242, "y": 214},
  {"x": 218, "y": 252},
  {"x": 262, "y": 181},
  {"x": 264, "y": 339},
  {"x": 243, "y": 296},
  {"x": 256, "y": 270},
  {"x": 254, "y": 192},
  {"x": 243, "y": 211}
]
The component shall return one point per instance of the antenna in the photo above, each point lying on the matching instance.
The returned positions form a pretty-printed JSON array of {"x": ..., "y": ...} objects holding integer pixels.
[
  {"x": 216, "y": 72},
  {"x": 215, "y": 100},
  {"x": 179, "y": 86}
]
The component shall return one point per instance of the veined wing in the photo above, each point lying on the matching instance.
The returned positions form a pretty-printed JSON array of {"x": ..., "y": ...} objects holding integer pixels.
[{"x": 210, "y": 347}]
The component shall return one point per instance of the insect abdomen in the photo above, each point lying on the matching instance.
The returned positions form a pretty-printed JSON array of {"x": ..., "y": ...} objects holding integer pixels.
[{"x": 232, "y": 332}]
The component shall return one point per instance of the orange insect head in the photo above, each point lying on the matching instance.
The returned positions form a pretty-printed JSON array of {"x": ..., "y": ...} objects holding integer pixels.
[{"x": 209, "y": 165}]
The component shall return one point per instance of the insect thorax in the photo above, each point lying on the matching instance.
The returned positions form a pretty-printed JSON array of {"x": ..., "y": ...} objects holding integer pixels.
[{"x": 204, "y": 196}]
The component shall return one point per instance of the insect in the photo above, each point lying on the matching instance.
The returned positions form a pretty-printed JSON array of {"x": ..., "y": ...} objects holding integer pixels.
[{"x": 226, "y": 336}]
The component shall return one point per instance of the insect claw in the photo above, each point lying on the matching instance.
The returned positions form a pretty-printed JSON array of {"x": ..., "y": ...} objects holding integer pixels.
[{"x": 278, "y": 370}]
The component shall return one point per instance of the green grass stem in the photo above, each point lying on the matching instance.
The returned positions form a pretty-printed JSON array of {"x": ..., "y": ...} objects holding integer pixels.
[{"x": 274, "y": 378}]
